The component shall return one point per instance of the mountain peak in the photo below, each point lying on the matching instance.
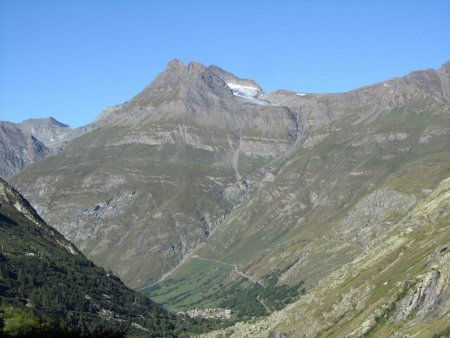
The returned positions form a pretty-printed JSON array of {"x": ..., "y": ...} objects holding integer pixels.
[
  {"x": 194, "y": 66},
  {"x": 444, "y": 75},
  {"x": 191, "y": 87},
  {"x": 446, "y": 65},
  {"x": 175, "y": 64},
  {"x": 233, "y": 79},
  {"x": 41, "y": 122}
]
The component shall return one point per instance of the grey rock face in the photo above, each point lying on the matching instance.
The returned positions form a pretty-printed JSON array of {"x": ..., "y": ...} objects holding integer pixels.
[
  {"x": 228, "y": 77},
  {"x": 47, "y": 130},
  {"x": 444, "y": 77},
  {"x": 430, "y": 295},
  {"x": 24, "y": 143},
  {"x": 54, "y": 134},
  {"x": 370, "y": 217},
  {"x": 247, "y": 90},
  {"x": 421, "y": 91},
  {"x": 197, "y": 95},
  {"x": 18, "y": 149}
]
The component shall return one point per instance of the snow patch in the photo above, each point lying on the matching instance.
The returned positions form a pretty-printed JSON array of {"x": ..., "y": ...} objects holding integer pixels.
[
  {"x": 248, "y": 93},
  {"x": 301, "y": 94},
  {"x": 240, "y": 90}
]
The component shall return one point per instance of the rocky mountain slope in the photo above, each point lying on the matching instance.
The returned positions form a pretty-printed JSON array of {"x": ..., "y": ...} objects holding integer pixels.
[
  {"x": 321, "y": 205},
  {"x": 265, "y": 194},
  {"x": 31, "y": 140},
  {"x": 48, "y": 288},
  {"x": 161, "y": 173},
  {"x": 54, "y": 134},
  {"x": 47, "y": 130},
  {"x": 398, "y": 287},
  {"x": 18, "y": 149}
]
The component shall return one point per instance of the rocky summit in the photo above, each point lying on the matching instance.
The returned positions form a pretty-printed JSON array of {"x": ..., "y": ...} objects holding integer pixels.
[
  {"x": 160, "y": 173},
  {"x": 206, "y": 192}
]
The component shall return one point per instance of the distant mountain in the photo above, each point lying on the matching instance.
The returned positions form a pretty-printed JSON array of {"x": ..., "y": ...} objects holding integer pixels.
[
  {"x": 48, "y": 288},
  {"x": 31, "y": 140},
  {"x": 18, "y": 149},
  {"x": 48, "y": 130},
  {"x": 204, "y": 191},
  {"x": 164, "y": 169},
  {"x": 54, "y": 134}
]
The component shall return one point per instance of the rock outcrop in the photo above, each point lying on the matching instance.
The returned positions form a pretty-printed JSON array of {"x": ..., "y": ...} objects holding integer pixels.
[
  {"x": 398, "y": 287},
  {"x": 18, "y": 149}
]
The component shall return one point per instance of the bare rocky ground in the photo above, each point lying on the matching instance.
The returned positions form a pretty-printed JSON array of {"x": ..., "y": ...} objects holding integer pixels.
[{"x": 29, "y": 141}]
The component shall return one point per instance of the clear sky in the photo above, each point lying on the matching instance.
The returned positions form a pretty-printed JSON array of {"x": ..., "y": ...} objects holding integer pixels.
[{"x": 70, "y": 59}]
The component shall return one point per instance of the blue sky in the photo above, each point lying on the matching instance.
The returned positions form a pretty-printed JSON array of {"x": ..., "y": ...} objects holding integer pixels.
[{"x": 70, "y": 59}]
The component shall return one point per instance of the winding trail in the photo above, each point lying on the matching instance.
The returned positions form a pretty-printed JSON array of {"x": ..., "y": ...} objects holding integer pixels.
[
  {"x": 250, "y": 278},
  {"x": 167, "y": 274},
  {"x": 264, "y": 305},
  {"x": 163, "y": 277}
]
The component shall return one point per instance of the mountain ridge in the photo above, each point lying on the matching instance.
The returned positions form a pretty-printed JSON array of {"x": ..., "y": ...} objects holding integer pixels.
[
  {"x": 277, "y": 190},
  {"x": 31, "y": 140}
]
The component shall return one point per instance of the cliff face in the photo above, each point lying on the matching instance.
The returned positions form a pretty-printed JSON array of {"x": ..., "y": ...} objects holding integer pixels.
[
  {"x": 45, "y": 129},
  {"x": 18, "y": 149}
]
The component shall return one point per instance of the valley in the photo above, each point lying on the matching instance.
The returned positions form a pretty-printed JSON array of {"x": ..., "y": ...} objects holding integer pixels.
[{"x": 205, "y": 192}]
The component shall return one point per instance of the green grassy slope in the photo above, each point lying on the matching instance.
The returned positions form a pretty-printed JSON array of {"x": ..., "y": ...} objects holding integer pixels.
[
  {"x": 47, "y": 287},
  {"x": 134, "y": 208},
  {"x": 318, "y": 209}
]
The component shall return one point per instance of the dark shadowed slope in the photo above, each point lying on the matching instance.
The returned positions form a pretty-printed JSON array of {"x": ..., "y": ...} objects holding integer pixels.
[{"x": 48, "y": 287}]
